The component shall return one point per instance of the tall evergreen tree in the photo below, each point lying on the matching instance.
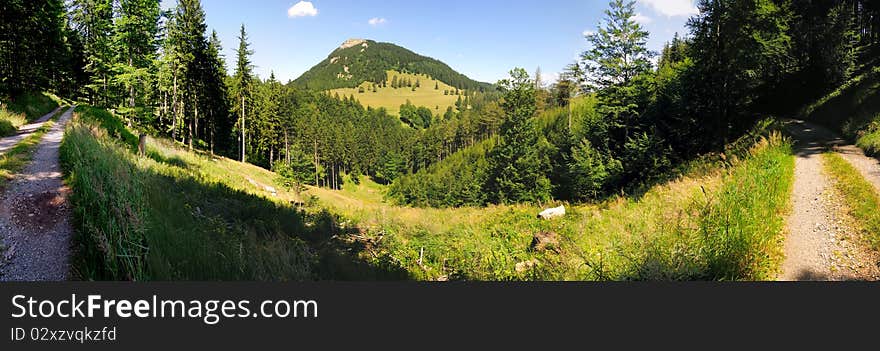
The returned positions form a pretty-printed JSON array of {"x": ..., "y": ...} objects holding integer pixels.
[
  {"x": 243, "y": 80},
  {"x": 518, "y": 162},
  {"x": 93, "y": 21},
  {"x": 739, "y": 48},
  {"x": 617, "y": 60},
  {"x": 136, "y": 31}
]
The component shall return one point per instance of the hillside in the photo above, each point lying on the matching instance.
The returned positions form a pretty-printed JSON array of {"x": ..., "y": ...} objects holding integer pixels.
[
  {"x": 236, "y": 228},
  {"x": 357, "y": 61},
  {"x": 431, "y": 93}
]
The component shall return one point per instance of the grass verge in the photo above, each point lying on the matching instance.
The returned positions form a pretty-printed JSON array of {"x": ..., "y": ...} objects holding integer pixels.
[{"x": 861, "y": 198}]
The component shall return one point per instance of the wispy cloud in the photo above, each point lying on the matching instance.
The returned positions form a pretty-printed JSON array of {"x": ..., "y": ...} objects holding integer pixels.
[
  {"x": 640, "y": 18},
  {"x": 672, "y": 8},
  {"x": 302, "y": 9},
  {"x": 377, "y": 21}
]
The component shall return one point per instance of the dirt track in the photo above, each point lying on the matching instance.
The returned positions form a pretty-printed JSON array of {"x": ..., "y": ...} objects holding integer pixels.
[
  {"x": 820, "y": 244},
  {"x": 34, "y": 216}
]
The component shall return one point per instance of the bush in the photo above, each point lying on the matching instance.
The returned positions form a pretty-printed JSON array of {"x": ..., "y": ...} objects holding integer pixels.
[{"x": 6, "y": 128}]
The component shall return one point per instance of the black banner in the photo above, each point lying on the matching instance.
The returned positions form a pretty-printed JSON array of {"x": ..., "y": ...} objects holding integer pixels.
[{"x": 419, "y": 315}]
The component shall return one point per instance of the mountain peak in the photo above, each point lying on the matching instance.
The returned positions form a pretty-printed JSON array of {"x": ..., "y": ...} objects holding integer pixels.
[
  {"x": 362, "y": 60},
  {"x": 353, "y": 42}
]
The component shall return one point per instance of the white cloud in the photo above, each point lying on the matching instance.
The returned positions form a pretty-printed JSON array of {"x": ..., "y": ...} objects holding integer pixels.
[
  {"x": 640, "y": 18},
  {"x": 376, "y": 21},
  {"x": 672, "y": 8},
  {"x": 302, "y": 9}
]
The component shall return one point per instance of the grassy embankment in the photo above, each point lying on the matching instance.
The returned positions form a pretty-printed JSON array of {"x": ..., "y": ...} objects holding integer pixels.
[
  {"x": 177, "y": 215},
  {"x": 181, "y": 215},
  {"x": 712, "y": 223},
  {"x": 16, "y": 158},
  {"x": 391, "y": 99},
  {"x": 26, "y": 108},
  {"x": 860, "y": 196}
]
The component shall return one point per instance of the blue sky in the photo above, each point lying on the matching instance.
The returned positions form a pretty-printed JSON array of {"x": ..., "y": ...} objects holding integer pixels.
[{"x": 483, "y": 39}]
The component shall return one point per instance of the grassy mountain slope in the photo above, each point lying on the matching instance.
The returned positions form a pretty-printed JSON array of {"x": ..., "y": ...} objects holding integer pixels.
[
  {"x": 179, "y": 215},
  {"x": 430, "y": 94},
  {"x": 358, "y": 61}
]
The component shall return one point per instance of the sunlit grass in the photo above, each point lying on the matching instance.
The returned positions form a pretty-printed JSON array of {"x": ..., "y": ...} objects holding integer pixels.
[
  {"x": 391, "y": 99},
  {"x": 862, "y": 199},
  {"x": 713, "y": 224}
]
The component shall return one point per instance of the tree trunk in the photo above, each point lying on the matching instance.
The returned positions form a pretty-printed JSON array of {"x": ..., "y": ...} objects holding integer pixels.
[
  {"x": 175, "y": 108},
  {"x": 316, "y": 162},
  {"x": 211, "y": 131},
  {"x": 192, "y": 122},
  {"x": 131, "y": 99},
  {"x": 243, "y": 134},
  {"x": 164, "y": 109}
]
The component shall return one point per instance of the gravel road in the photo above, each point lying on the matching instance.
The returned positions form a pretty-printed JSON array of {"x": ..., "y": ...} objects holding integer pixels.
[
  {"x": 821, "y": 244},
  {"x": 35, "y": 230}
]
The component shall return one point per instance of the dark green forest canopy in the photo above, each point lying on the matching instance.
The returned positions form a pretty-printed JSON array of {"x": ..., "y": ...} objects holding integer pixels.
[{"x": 369, "y": 61}]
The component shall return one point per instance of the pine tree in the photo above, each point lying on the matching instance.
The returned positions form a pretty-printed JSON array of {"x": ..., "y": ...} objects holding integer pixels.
[
  {"x": 617, "y": 65},
  {"x": 518, "y": 162},
  {"x": 243, "y": 78},
  {"x": 135, "y": 31},
  {"x": 738, "y": 48},
  {"x": 217, "y": 106},
  {"x": 93, "y": 21},
  {"x": 619, "y": 51}
]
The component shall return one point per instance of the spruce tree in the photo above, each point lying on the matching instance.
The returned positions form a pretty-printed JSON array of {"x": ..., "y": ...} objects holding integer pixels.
[
  {"x": 135, "y": 31},
  {"x": 242, "y": 80},
  {"x": 519, "y": 161}
]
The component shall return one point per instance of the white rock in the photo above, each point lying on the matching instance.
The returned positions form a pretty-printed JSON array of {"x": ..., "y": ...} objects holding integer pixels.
[{"x": 551, "y": 213}]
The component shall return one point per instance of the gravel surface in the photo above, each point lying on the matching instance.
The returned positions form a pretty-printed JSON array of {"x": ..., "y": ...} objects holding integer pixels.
[
  {"x": 35, "y": 230},
  {"x": 821, "y": 244},
  {"x": 23, "y": 131}
]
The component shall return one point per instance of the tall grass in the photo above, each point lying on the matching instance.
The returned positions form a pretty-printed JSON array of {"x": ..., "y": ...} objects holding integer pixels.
[
  {"x": 177, "y": 215},
  {"x": 709, "y": 225},
  {"x": 862, "y": 199},
  {"x": 741, "y": 226},
  {"x": 110, "y": 215}
]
